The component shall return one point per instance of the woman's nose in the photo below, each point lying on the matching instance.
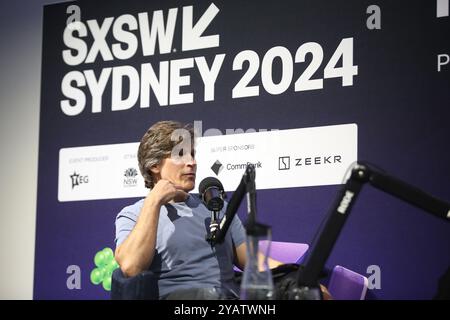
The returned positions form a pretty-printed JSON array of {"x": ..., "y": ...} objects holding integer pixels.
[{"x": 190, "y": 161}]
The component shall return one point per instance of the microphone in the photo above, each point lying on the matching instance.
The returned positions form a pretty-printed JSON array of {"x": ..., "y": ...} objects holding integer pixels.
[
  {"x": 234, "y": 204},
  {"x": 212, "y": 195}
]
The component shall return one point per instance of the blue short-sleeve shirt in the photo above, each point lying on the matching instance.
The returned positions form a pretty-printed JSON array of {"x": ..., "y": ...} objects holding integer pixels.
[{"x": 183, "y": 258}]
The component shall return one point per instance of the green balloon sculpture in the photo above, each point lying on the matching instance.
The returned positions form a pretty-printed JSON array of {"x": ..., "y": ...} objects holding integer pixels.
[
  {"x": 97, "y": 276},
  {"x": 100, "y": 259},
  {"x": 105, "y": 266},
  {"x": 106, "y": 283}
]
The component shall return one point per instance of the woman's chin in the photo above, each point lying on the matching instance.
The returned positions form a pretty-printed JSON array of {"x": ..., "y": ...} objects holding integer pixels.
[{"x": 188, "y": 186}]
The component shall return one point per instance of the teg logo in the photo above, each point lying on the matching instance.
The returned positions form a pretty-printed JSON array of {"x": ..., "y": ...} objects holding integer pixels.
[{"x": 78, "y": 179}]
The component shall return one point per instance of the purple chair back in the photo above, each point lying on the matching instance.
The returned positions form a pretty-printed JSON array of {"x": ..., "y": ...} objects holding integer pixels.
[
  {"x": 346, "y": 284},
  {"x": 286, "y": 252}
]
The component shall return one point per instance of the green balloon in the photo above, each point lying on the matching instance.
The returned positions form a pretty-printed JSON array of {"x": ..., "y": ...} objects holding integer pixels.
[
  {"x": 110, "y": 267},
  {"x": 114, "y": 264},
  {"x": 107, "y": 283},
  {"x": 108, "y": 274},
  {"x": 97, "y": 275},
  {"x": 109, "y": 254},
  {"x": 100, "y": 259}
]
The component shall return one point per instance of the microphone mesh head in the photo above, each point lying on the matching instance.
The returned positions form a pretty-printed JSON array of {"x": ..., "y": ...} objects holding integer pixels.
[{"x": 208, "y": 183}]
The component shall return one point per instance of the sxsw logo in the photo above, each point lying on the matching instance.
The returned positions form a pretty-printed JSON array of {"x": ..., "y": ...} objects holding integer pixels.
[
  {"x": 442, "y": 8},
  {"x": 78, "y": 179}
]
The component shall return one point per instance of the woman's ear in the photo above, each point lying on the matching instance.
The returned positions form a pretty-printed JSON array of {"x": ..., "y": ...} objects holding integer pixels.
[
  {"x": 155, "y": 169},
  {"x": 155, "y": 173}
]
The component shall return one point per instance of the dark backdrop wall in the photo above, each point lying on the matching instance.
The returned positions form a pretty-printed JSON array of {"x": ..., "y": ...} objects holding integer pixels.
[{"x": 382, "y": 65}]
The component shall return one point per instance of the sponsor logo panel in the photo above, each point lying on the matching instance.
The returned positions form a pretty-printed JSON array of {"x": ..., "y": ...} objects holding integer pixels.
[
  {"x": 99, "y": 172},
  {"x": 283, "y": 158}
]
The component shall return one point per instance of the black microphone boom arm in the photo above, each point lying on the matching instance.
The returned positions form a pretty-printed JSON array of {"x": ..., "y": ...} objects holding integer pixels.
[
  {"x": 361, "y": 173},
  {"x": 235, "y": 202}
]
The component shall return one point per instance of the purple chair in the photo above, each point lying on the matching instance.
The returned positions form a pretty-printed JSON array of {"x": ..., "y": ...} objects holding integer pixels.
[
  {"x": 286, "y": 252},
  {"x": 346, "y": 284}
]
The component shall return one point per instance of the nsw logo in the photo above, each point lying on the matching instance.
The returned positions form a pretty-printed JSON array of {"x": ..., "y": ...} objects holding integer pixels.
[{"x": 130, "y": 179}]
